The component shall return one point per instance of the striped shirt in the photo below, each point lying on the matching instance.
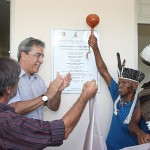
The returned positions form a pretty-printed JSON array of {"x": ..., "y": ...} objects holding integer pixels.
[
  {"x": 30, "y": 88},
  {"x": 21, "y": 133}
]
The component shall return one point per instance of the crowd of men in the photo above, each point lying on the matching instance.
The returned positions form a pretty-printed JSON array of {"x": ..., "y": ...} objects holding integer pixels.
[{"x": 23, "y": 94}]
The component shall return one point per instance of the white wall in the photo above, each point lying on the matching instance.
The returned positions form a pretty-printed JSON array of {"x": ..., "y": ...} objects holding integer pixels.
[{"x": 117, "y": 33}]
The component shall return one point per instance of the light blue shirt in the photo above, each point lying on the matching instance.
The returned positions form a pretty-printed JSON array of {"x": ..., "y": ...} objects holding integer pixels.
[{"x": 30, "y": 88}]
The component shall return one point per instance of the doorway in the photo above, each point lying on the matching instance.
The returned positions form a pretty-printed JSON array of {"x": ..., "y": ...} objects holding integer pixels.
[{"x": 4, "y": 28}]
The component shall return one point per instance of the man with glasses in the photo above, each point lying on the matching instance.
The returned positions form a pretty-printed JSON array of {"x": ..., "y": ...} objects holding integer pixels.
[{"x": 32, "y": 93}]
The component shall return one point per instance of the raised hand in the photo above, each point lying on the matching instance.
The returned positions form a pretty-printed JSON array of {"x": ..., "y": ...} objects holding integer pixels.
[
  {"x": 89, "y": 89},
  {"x": 65, "y": 82},
  {"x": 54, "y": 87},
  {"x": 93, "y": 42}
]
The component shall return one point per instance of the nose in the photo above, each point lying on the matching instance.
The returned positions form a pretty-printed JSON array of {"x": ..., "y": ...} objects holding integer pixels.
[
  {"x": 41, "y": 59},
  {"x": 120, "y": 85}
]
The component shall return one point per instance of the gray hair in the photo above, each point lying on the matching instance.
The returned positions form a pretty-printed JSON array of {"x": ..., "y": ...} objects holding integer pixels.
[
  {"x": 27, "y": 44},
  {"x": 9, "y": 73}
]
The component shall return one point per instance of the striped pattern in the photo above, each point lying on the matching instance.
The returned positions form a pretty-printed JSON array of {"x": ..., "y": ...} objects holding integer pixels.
[{"x": 22, "y": 133}]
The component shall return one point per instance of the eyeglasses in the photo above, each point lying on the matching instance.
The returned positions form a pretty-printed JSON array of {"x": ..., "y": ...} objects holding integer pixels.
[{"x": 37, "y": 55}]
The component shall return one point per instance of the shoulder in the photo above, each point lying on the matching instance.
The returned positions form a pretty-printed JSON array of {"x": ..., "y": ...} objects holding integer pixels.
[{"x": 113, "y": 83}]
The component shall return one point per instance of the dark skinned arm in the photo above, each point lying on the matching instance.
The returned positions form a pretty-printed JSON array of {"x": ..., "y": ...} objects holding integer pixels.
[
  {"x": 101, "y": 66},
  {"x": 135, "y": 129}
]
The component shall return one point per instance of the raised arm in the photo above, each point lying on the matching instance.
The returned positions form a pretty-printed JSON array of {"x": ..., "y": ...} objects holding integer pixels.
[
  {"x": 72, "y": 117},
  {"x": 135, "y": 129},
  {"x": 101, "y": 66}
]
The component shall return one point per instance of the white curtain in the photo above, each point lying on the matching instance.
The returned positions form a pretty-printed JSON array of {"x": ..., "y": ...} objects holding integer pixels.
[{"x": 94, "y": 139}]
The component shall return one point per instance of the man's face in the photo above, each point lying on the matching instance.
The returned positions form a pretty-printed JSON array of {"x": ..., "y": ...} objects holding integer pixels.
[
  {"x": 33, "y": 60},
  {"x": 125, "y": 87}
]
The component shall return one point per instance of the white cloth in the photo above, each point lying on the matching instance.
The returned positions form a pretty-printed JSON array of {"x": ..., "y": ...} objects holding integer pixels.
[
  {"x": 138, "y": 147},
  {"x": 145, "y": 54},
  {"x": 94, "y": 139}
]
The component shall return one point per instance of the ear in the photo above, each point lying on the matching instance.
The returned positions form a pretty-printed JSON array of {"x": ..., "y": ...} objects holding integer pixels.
[
  {"x": 8, "y": 90},
  {"x": 23, "y": 55},
  {"x": 135, "y": 85}
]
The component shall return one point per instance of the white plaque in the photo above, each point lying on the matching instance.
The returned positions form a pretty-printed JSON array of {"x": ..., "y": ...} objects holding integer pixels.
[{"x": 69, "y": 51}]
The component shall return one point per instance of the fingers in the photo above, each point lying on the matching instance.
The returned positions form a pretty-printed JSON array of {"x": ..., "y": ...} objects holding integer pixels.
[
  {"x": 65, "y": 82},
  {"x": 91, "y": 82},
  {"x": 143, "y": 138},
  {"x": 92, "y": 41},
  {"x": 56, "y": 83},
  {"x": 146, "y": 139},
  {"x": 68, "y": 77},
  {"x": 54, "y": 87},
  {"x": 89, "y": 89},
  {"x": 57, "y": 74}
]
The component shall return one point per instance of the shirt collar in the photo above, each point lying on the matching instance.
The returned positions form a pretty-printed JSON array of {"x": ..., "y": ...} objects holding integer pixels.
[{"x": 24, "y": 73}]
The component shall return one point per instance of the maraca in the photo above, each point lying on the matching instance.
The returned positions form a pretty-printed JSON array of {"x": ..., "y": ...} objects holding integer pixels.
[{"x": 92, "y": 20}]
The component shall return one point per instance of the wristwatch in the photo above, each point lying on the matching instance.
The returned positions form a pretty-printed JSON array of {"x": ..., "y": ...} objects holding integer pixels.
[{"x": 44, "y": 98}]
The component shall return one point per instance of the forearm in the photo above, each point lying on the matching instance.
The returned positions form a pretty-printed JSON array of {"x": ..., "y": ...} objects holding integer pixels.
[
  {"x": 99, "y": 60},
  {"x": 55, "y": 102},
  {"x": 101, "y": 66},
  {"x": 134, "y": 129},
  {"x": 24, "y": 107},
  {"x": 142, "y": 137},
  {"x": 72, "y": 117}
]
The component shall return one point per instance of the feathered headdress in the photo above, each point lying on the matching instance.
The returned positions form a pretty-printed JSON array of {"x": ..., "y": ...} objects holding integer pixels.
[{"x": 128, "y": 74}]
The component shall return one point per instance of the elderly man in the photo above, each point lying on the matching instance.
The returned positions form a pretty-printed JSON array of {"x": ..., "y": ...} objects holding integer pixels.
[
  {"x": 32, "y": 93},
  {"x": 20, "y": 132},
  {"x": 124, "y": 95}
]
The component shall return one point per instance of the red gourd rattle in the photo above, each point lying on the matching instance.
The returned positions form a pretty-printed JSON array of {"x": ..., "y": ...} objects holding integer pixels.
[{"x": 92, "y": 20}]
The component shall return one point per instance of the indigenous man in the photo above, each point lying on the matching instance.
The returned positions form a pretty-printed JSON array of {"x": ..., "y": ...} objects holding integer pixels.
[{"x": 124, "y": 95}]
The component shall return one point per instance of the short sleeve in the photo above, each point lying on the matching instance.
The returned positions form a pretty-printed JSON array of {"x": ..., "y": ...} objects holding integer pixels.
[
  {"x": 114, "y": 90},
  {"x": 15, "y": 99}
]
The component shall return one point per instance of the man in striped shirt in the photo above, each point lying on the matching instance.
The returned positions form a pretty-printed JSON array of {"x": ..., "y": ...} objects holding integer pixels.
[{"x": 21, "y": 133}]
